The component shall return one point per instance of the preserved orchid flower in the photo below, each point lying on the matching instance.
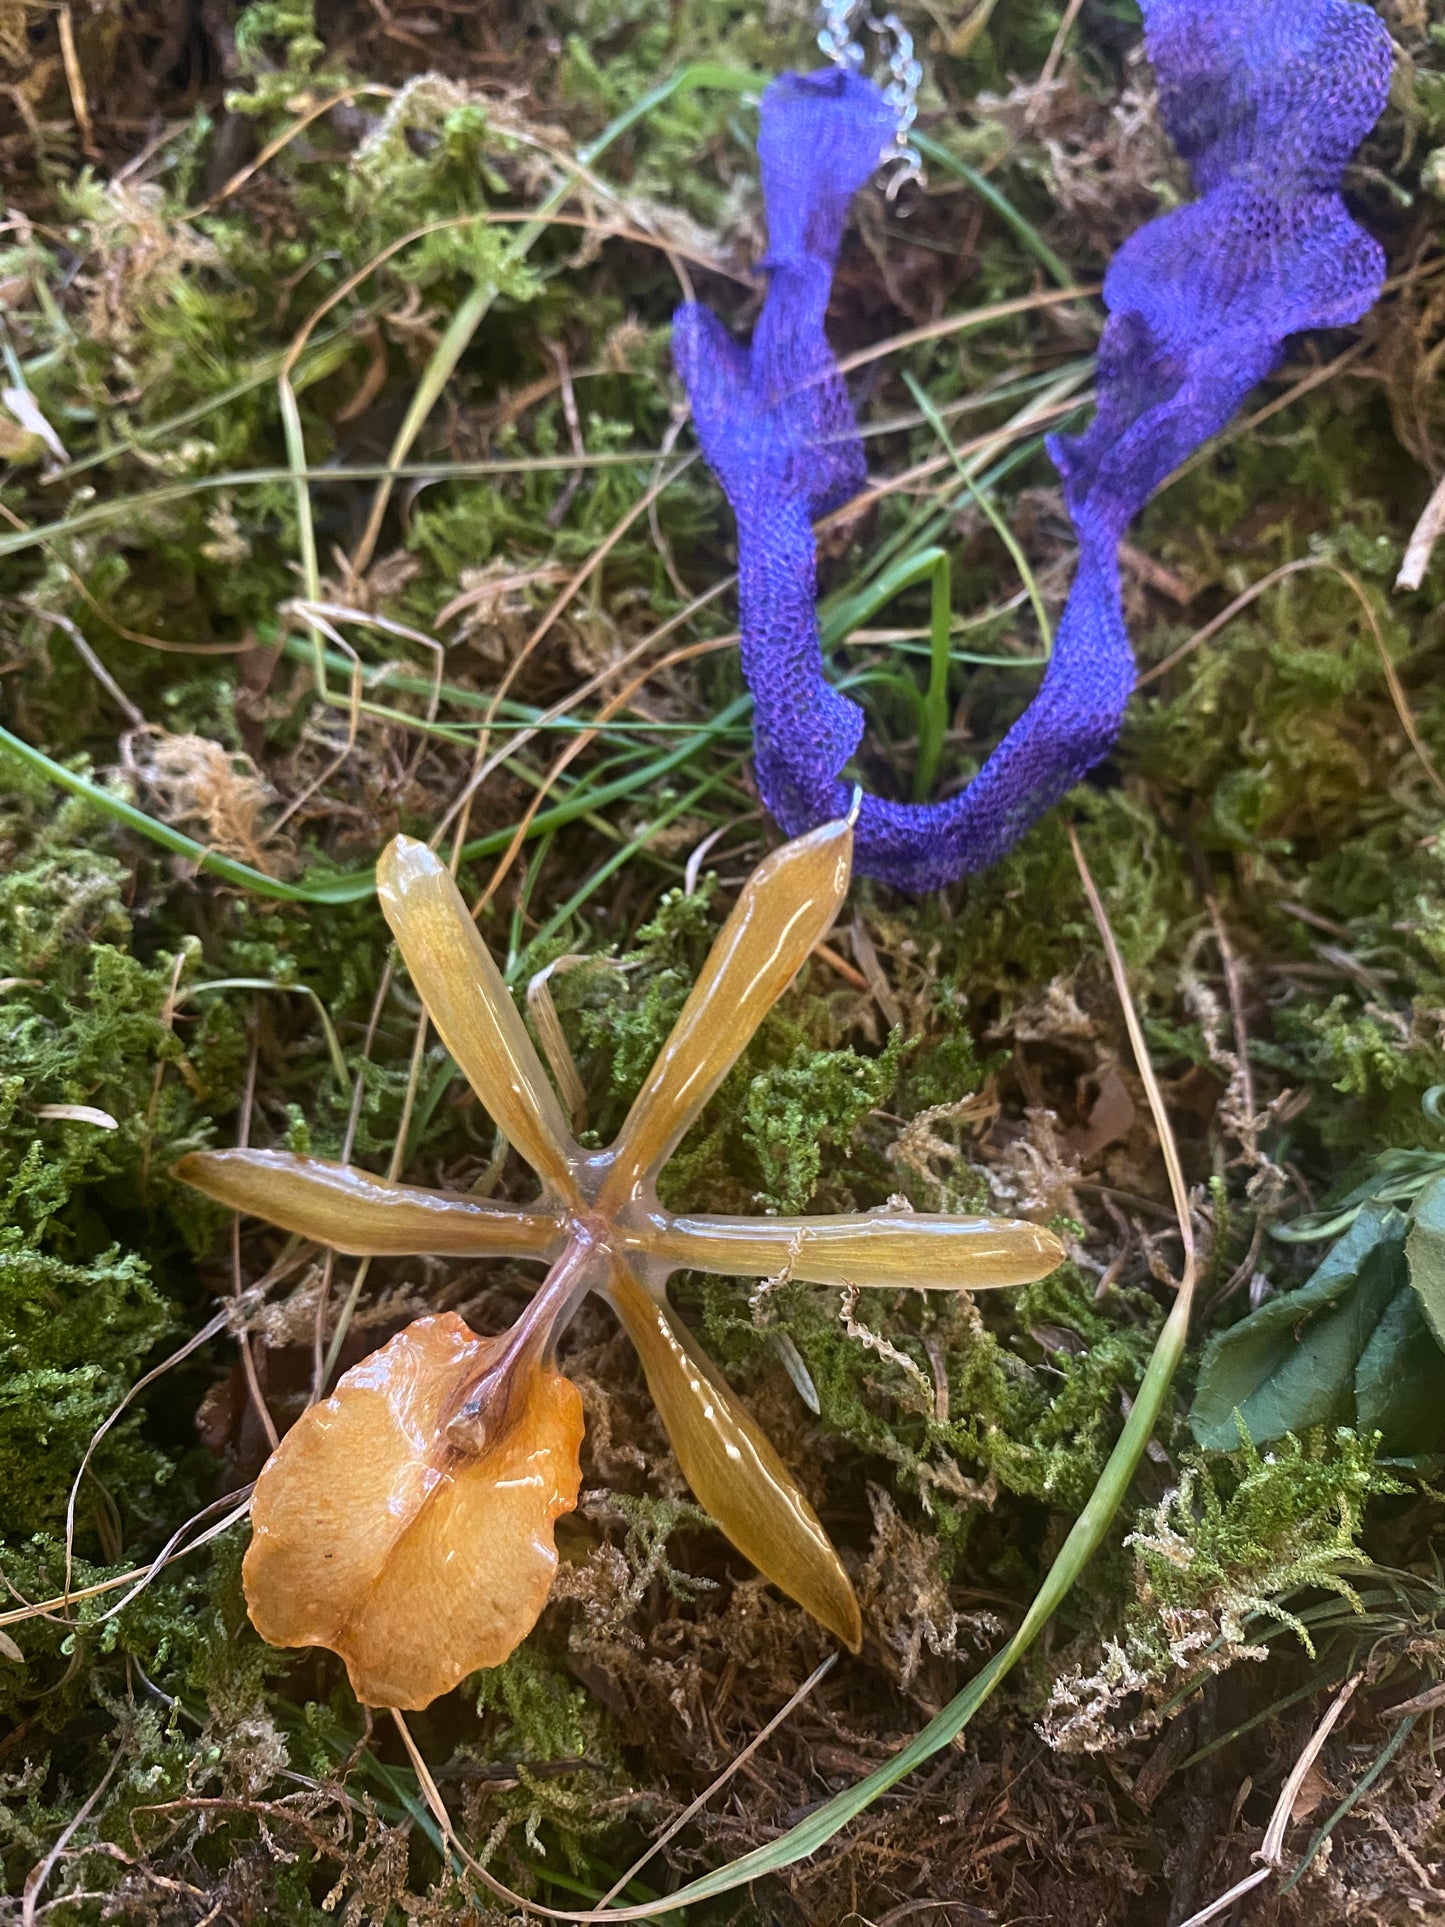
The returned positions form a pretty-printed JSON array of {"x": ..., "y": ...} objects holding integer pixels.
[{"x": 406, "y": 1522}]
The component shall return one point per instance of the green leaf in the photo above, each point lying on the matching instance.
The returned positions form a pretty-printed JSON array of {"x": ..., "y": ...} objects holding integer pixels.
[
  {"x": 1396, "y": 1177},
  {"x": 1400, "y": 1383},
  {"x": 1291, "y": 1364},
  {"x": 1356, "y": 1344},
  {"x": 1425, "y": 1250}
]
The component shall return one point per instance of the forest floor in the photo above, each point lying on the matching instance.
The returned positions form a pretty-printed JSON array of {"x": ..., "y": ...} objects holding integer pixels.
[{"x": 341, "y": 453}]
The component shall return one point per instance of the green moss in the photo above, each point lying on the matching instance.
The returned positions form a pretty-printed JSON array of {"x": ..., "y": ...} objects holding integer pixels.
[
  {"x": 812, "y": 1100},
  {"x": 1238, "y": 1536},
  {"x": 1216, "y": 1565},
  {"x": 57, "y": 1392}
]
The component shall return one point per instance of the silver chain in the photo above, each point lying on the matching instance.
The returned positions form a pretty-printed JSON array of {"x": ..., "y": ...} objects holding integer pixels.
[{"x": 836, "y": 40}]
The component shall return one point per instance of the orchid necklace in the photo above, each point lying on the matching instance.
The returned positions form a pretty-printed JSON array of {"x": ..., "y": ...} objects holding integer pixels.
[{"x": 406, "y": 1522}]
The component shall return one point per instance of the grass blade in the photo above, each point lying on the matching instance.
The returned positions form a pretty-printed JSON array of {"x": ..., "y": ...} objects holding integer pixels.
[{"x": 1004, "y": 208}]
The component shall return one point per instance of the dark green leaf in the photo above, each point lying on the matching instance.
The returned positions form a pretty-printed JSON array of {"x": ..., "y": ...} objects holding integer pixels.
[
  {"x": 1400, "y": 1383},
  {"x": 1291, "y": 1364},
  {"x": 1395, "y": 1177},
  {"x": 1425, "y": 1249}
]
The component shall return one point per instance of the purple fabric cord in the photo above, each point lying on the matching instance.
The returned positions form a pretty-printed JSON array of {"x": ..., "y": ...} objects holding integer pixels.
[{"x": 1267, "y": 100}]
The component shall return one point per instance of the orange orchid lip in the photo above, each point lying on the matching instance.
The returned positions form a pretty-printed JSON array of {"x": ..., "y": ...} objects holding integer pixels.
[
  {"x": 416, "y": 1550},
  {"x": 445, "y": 1511}
]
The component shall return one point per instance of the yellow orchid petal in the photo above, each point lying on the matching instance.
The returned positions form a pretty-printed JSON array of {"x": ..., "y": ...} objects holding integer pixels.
[
  {"x": 416, "y": 1553},
  {"x": 363, "y": 1216},
  {"x": 472, "y": 1008},
  {"x": 733, "y": 1470},
  {"x": 786, "y": 906},
  {"x": 893, "y": 1248}
]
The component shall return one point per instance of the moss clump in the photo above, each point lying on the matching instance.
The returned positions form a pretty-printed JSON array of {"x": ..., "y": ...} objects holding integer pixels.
[{"x": 1216, "y": 1564}]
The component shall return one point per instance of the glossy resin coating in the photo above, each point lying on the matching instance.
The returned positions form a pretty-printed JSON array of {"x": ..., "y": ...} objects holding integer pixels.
[
  {"x": 599, "y": 1226},
  {"x": 415, "y": 1555}
]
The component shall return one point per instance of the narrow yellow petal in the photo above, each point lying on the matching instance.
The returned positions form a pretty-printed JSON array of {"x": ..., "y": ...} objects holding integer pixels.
[
  {"x": 892, "y": 1248},
  {"x": 734, "y": 1472},
  {"x": 376, "y": 1535},
  {"x": 787, "y": 905},
  {"x": 472, "y": 1008},
  {"x": 363, "y": 1216}
]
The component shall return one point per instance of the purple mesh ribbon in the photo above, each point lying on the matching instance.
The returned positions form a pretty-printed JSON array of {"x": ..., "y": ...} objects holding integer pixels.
[{"x": 1267, "y": 100}]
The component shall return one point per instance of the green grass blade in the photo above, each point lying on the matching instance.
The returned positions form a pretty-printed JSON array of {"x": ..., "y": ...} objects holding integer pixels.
[
  {"x": 574, "y": 903},
  {"x": 355, "y": 886},
  {"x": 918, "y": 566},
  {"x": 1000, "y": 527},
  {"x": 1356, "y": 1793},
  {"x": 1004, "y": 208},
  {"x": 333, "y": 1042},
  {"x": 350, "y": 888},
  {"x": 320, "y": 359},
  {"x": 930, "y": 519},
  {"x": 933, "y": 717},
  {"x": 702, "y": 73},
  {"x": 127, "y": 508},
  {"x": 474, "y": 309}
]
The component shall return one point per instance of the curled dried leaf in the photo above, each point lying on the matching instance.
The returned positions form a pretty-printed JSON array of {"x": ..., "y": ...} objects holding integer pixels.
[{"x": 406, "y": 1521}]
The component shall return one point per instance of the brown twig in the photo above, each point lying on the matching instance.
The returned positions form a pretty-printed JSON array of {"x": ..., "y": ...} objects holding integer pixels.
[
  {"x": 1169, "y": 1149},
  {"x": 41, "y": 1871},
  {"x": 243, "y": 1339},
  {"x": 954, "y": 324},
  {"x": 604, "y": 1911},
  {"x": 460, "y": 811},
  {"x": 1056, "y": 51},
  {"x": 140, "y": 1575},
  {"x": 75, "y": 82},
  {"x": 1423, "y": 538}
]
